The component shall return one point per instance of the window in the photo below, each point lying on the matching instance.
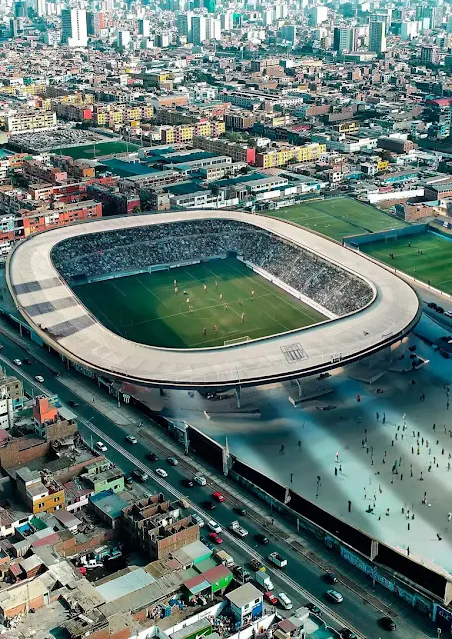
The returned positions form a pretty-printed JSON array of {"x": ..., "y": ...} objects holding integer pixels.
[{"x": 41, "y": 505}]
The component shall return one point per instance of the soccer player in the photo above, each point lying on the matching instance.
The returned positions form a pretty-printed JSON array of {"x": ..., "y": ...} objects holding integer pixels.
[
  {"x": 216, "y": 284},
  {"x": 226, "y": 305},
  {"x": 176, "y": 290},
  {"x": 242, "y": 318},
  {"x": 240, "y": 302},
  {"x": 204, "y": 331},
  {"x": 252, "y": 295},
  {"x": 188, "y": 300},
  {"x": 221, "y": 297},
  {"x": 175, "y": 282},
  {"x": 205, "y": 288},
  {"x": 215, "y": 328}
]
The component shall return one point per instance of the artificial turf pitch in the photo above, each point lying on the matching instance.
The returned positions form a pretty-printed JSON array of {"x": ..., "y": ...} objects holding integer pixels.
[
  {"x": 90, "y": 151},
  {"x": 432, "y": 266},
  {"x": 145, "y": 308},
  {"x": 338, "y": 217}
]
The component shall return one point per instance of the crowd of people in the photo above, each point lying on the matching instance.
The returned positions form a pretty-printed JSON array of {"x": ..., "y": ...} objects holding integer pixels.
[{"x": 136, "y": 248}]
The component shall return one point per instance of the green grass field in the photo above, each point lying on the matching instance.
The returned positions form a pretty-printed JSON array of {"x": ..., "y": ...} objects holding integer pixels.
[
  {"x": 145, "y": 308},
  {"x": 434, "y": 266},
  {"x": 86, "y": 152},
  {"x": 338, "y": 217}
]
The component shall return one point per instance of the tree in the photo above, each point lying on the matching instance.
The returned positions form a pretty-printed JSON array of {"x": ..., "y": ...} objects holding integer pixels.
[{"x": 386, "y": 155}]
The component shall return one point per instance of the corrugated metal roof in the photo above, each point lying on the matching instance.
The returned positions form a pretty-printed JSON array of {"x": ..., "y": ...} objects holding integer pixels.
[{"x": 125, "y": 585}]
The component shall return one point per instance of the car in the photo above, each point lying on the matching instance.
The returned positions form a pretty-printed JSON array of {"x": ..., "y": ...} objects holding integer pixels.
[
  {"x": 73, "y": 403},
  {"x": 330, "y": 578},
  {"x": 214, "y": 527},
  {"x": 448, "y": 314},
  {"x": 270, "y": 597},
  {"x": 387, "y": 623},
  {"x": 346, "y": 633},
  {"x": 141, "y": 475},
  {"x": 241, "y": 574},
  {"x": 335, "y": 595},
  {"x": 101, "y": 446},
  {"x": 131, "y": 439},
  {"x": 188, "y": 482},
  {"x": 240, "y": 510},
  {"x": 172, "y": 460},
  {"x": 17, "y": 362},
  {"x": 215, "y": 538},
  {"x": 199, "y": 479},
  {"x": 27, "y": 361},
  {"x": 314, "y": 609},
  {"x": 256, "y": 565},
  {"x": 218, "y": 496},
  {"x": 161, "y": 472},
  {"x": 39, "y": 378},
  {"x": 432, "y": 305},
  {"x": 152, "y": 456},
  {"x": 285, "y": 601},
  {"x": 262, "y": 539},
  {"x": 439, "y": 309},
  {"x": 208, "y": 505},
  {"x": 198, "y": 520},
  {"x": 129, "y": 480}
]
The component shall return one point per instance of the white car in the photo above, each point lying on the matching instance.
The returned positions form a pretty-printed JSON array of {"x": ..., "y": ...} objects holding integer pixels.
[
  {"x": 214, "y": 527},
  {"x": 202, "y": 481},
  {"x": 284, "y": 601},
  {"x": 198, "y": 520},
  {"x": 17, "y": 362},
  {"x": 101, "y": 446},
  {"x": 161, "y": 472},
  {"x": 131, "y": 439},
  {"x": 39, "y": 378}
]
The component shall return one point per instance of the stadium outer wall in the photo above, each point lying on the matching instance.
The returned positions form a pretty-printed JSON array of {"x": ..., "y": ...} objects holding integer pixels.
[{"x": 222, "y": 367}]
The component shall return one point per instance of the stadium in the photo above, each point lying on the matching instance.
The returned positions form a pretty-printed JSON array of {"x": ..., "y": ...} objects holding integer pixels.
[{"x": 205, "y": 299}]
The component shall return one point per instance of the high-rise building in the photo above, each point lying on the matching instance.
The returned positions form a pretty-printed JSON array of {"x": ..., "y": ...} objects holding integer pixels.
[
  {"x": 20, "y": 9},
  {"x": 344, "y": 39},
  {"x": 199, "y": 29},
  {"x": 213, "y": 28},
  {"x": 227, "y": 21},
  {"x": 74, "y": 31},
  {"x": 95, "y": 22},
  {"x": 429, "y": 54},
  {"x": 289, "y": 33},
  {"x": 377, "y": 37},
  {"x": 144, "y": 28},
  {"x": 210, "y": 5},
  {"x": 317, "y": 15},
  {"x": 123, "y": 39},
  {"x": 184, "y": 25}
]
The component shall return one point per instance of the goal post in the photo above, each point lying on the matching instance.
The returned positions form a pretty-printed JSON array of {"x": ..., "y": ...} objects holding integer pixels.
[{"x": 237, "y": 340}]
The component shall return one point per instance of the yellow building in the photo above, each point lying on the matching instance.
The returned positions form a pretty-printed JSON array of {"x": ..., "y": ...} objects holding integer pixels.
[
  {"x": 35, "y": 120},
  {"x": 282, "y": 155}
]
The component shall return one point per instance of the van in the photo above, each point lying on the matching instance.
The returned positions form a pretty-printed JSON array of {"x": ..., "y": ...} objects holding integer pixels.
[{"x": 284, "y": 601}]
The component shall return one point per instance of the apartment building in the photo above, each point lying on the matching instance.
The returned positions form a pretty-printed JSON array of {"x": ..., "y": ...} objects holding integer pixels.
[
  {"x": 60, "y": 215},
  {"x": 238, "y": 152},
  {"x": 184, "y": 133},
  {"x": 25, "y": 121},
  {"x": 38, "y": 492},
  {"x": 282, "y": 155}
]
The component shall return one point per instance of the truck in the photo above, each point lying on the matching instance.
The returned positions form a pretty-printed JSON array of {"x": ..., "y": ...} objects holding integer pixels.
[
  {"x": 225, "y": 558},
  {"x": 263, "y": 580},
  {"x": 276, "y": 559},
  {"x": 237, "y": 529}
]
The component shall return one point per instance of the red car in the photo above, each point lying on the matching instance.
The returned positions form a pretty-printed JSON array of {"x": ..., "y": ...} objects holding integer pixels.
[
  {"x": 215, "y": 538},
  {"x": 218, "y": 496},
  {"x": 270, "y": 597}
]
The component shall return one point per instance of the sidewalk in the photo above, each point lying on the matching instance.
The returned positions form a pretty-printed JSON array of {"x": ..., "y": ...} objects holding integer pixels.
[{"x": 129, "y": 419}]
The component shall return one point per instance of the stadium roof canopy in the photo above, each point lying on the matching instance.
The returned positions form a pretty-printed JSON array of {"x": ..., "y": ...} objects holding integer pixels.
[{"x": 51, "y": 307}]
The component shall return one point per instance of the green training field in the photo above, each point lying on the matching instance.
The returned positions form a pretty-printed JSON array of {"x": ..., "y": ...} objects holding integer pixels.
[
  {"x": 338, "y": 217},
  {"x": 145, "y": 308},
  {"x": 90, "y": 151},
  {"x": 433, "y": 266}
]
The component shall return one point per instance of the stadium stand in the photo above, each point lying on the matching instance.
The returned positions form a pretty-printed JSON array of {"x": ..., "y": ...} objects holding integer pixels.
[{"x": 120, "y": 251}]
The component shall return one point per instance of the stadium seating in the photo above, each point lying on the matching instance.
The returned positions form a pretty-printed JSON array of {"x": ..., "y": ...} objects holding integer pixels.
[{"x": 130, "y": 249}]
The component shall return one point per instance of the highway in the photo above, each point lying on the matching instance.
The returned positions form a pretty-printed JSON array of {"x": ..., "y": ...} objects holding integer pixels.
[{"x": 301, "y": 580}]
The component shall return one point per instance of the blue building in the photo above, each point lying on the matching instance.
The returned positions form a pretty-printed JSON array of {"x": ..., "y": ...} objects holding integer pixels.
[{"x": 246, "y": 603}]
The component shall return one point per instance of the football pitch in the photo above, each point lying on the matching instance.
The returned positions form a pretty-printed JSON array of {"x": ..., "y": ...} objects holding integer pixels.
[
  {"x": 90, "y": 151},
  {"x": 146, "y": 308},
  {"x": 432, "y": 266},
  {"x": 338, "y": 217}
]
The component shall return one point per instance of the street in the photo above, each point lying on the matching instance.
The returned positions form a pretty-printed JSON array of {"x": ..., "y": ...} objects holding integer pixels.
[{"x": 300, "y": 580}]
